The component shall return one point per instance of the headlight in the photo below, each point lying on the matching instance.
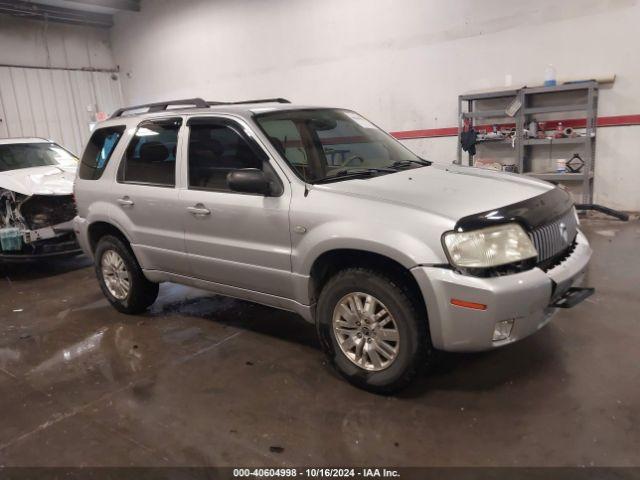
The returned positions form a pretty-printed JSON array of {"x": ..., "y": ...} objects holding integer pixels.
[{"x": 489, "y": 247}]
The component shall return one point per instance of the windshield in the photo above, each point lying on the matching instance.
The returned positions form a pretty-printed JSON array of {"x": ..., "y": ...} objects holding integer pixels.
[
  {"x": 24, "y": 155},
  {"x": 326, "y": 144}
]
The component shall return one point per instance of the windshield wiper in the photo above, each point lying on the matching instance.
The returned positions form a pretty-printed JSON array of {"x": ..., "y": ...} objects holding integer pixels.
[
  {"x": 408, "y": 163},
  {"x": 348, "y": 173}
]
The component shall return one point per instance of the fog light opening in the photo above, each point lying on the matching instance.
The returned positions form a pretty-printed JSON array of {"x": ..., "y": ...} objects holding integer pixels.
[{"x": 503, "y": 329}]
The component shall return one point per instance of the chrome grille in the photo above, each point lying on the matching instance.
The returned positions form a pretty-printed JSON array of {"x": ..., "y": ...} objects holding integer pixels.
[{"x": 555, "y": 237}]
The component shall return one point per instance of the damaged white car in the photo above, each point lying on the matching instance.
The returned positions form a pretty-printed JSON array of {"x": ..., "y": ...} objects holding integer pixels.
[{"x": 36, "y": 199}]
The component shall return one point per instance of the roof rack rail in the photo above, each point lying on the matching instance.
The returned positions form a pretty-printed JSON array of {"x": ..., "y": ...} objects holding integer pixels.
[
  {"x": 260, "y": 100},
  {"x": 161, "y": 106},
  {"x": 195, "y": 102}
]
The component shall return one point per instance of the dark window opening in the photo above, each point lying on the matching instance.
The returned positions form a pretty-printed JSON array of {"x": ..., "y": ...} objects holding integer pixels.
[
  {"x": 98, "y": 152},
  {"x": 150, "y": 158},
  {"x": 215, "y": 150}
]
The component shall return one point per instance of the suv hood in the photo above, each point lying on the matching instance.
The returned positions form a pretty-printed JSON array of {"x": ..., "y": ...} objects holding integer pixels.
[
  {"x": 448, "y": 191},
  {"x": 48, "y": 180}
]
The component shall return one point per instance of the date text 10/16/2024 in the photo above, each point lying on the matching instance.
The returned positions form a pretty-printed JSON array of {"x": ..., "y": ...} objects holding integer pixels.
[{"x": 316, "y": 472}]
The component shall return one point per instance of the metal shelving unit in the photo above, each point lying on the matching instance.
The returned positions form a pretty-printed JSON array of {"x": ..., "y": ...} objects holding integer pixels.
[{"x": 584, "y": 96}]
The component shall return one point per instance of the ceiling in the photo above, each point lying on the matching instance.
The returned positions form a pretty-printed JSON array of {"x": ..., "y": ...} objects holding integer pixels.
[{"x": 97, "y": 13}]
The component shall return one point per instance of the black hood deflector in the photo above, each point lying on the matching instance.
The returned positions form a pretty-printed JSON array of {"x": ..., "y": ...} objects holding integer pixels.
[{"x": 531, "y": 213}]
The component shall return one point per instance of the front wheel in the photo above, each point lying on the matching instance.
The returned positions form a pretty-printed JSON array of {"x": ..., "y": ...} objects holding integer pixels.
[
  {"x": 373, "y": 330},
  {"x": 121, "y": 278}
]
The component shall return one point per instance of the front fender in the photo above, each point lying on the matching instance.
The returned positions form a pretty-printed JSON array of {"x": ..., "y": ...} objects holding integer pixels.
[{"x": 398, "y": 245}]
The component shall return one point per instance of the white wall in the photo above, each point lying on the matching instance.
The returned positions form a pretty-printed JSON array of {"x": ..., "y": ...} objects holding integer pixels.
[
  {"x": 51, "y": 100},
  {"x": 400, "y": 63}
]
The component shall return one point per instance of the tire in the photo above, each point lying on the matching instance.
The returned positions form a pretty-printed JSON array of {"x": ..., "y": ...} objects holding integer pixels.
[
  {"x": 413, "y": 348},
  {"x": 141, "y": 293}
]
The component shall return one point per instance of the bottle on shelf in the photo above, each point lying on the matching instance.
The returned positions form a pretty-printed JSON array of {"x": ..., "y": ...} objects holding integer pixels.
[{"x": 550, "y": 76}]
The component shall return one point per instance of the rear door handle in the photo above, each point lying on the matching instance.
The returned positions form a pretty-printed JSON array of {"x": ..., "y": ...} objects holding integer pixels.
[
  {"x": 199, "y": 209},
  {"x": 125, "y": 201}
]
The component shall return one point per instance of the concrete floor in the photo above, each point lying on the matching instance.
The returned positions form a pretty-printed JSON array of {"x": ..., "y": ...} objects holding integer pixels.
[{"x": 204, "y": 380}]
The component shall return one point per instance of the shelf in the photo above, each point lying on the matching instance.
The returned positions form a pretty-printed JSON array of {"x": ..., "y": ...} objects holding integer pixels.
[
  {"x": 486, "y": 114},
  {"x": 506, "y": 141},
  {"x": 561, "y": 88},
  {"x": 560, "y": 177},
  {"x": 484, "y": 95},
  {"x": 556, "y": 141},
  {"x": 576, "y": 100},
  {"x": 556, "y": 109}
]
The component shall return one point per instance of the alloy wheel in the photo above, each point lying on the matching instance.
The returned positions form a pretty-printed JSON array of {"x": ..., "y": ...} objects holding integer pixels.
[
  {"x": 115, "y": 274},
  {"x": 366, "y": 331}
]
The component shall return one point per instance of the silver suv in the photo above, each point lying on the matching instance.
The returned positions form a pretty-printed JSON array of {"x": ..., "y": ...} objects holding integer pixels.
[{"x": 319, "y": 212}]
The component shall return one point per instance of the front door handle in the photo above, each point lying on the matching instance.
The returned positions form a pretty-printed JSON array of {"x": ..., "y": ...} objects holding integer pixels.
[
  {"x": 125, "y": 201},
  {"x": 199, "y": 209}
]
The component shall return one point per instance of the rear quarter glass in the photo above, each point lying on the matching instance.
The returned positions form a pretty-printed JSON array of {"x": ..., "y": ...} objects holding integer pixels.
[{"x": 98, "y": 151}]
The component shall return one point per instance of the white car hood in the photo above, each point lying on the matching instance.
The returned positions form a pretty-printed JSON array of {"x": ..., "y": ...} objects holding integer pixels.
[
  {"x": 451, "y": 191},
  {"x": 48, "y": 180}
]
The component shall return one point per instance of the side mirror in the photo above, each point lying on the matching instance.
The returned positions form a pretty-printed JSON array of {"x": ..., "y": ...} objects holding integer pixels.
[{"x": 249, "y": 180}]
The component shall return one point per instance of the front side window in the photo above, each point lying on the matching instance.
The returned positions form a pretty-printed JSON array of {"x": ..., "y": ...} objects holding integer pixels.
[
  {"x": 98, "y": 152},
  {"x": 150, "y": 158},
  {"x": 321, "y": 144},
  {"x": 215, "y": 150},
  {"x": 26, "y": 155}
]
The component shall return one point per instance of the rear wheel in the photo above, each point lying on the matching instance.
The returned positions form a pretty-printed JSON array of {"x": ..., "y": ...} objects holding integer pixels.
[
  {"x": 121, "y": 278},
  {"x": 372, "y": 329}
]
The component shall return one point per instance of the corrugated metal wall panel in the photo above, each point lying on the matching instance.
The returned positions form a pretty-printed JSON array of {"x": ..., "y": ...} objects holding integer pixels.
[
  {"x": 48, "y": 95},
  {"x": 3, "y": 122},
  {"x": 11, "y": 118},
  {"x": 22, "y": 102},
  {"x": 55, "y": 104},
  {"x": 64, "y": 106}
]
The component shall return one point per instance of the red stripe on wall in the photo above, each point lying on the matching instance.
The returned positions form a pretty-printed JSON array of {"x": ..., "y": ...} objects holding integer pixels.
[
  {"x": 619, "y": 121},
  {"x": 431, "y": 132},
  {"x": 613, "y": 121}
]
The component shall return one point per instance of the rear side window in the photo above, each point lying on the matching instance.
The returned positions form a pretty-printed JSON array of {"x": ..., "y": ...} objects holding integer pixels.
[
  {"x": 98, "y": 152},
  {"x": 150, "y": 158}
]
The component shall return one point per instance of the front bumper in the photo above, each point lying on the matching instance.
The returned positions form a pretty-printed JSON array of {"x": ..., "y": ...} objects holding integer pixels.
[
  {"x": 524, "y": 297},
  {"x": 64, "y": 245}
]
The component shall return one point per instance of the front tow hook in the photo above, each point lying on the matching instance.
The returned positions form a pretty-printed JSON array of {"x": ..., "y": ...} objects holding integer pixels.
[{"x": 573, "y": 297}]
